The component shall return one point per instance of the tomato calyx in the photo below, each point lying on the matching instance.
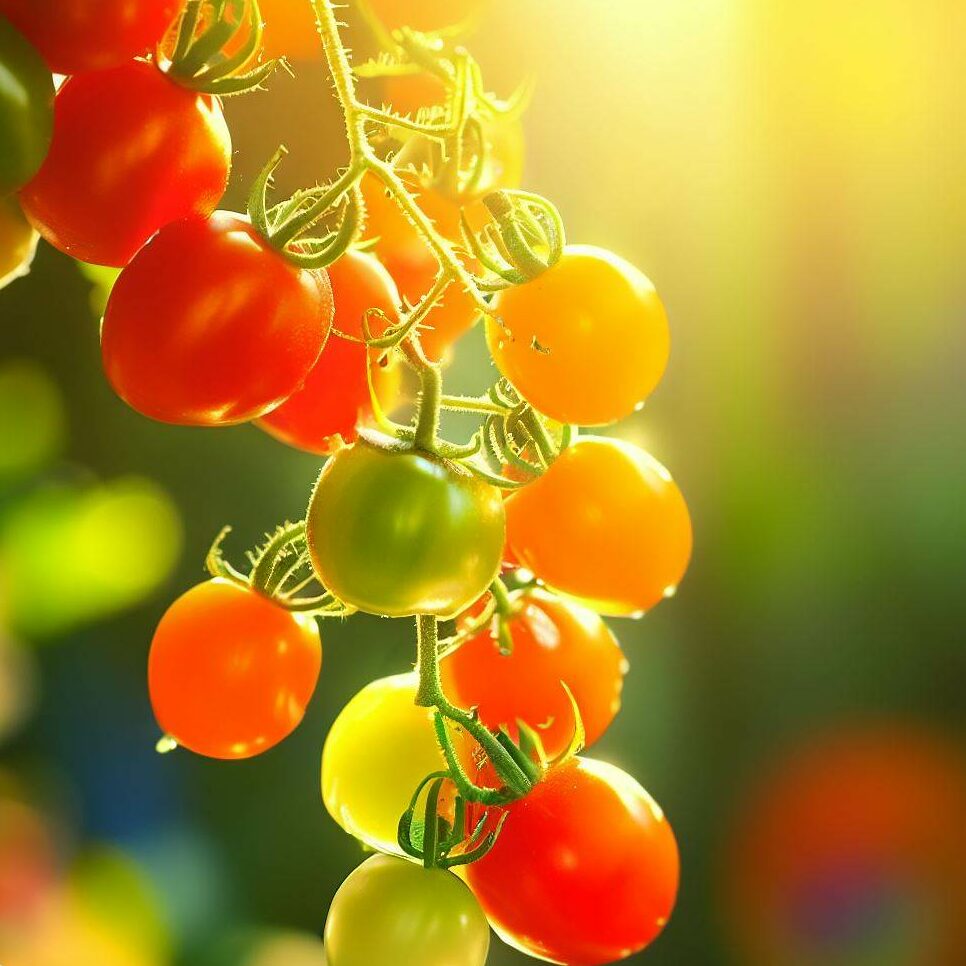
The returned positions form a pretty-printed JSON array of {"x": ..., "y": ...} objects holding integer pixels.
[
  {"x": 515, "y": 438},
  {"x": 217, "y": 49},
  {"x": 336, "y": 208},
  {"x": 437, "y": 842},
  {"x": 281, "y": 570},
  {"x": 524, "y": 238}
]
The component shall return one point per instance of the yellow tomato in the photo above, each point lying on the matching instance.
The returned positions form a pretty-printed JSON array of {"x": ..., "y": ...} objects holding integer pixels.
[{"x": 379, "y": 749}]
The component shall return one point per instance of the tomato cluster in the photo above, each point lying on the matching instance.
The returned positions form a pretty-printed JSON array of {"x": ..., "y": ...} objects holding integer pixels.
[{"x": 299, "y": 317}]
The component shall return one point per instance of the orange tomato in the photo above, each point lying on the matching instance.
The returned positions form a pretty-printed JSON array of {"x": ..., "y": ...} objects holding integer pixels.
[
  {"x": 231, "y": 672},
  {"x": 335, "y": 397},
  {"x": 555, "y": 642},
  {"x": 605, "y": 524},
  {"x": 586, "y": 341}
]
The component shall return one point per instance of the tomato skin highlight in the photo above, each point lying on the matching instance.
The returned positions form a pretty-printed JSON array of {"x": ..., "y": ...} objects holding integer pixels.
[
  {"x": 146, "y": 151},
  {"x": 26, "y": 110},
  {"x": 603, "y": 333},
  {"x": 392, "y": 912},
  {"x": 605, "y": 524},
  {"x": 335, "y": 397},
  {"x": 554, "y": 641},
  {"x": 230, "y": 672},
  {"x": 82, "y": 35},
  {"x": 379, "y": 748},
  {"x": 18, "y": 242},
  {"x": 403, "y": 533},
  {"x": 209, "y": 326},
  {"x": 585, "y": 870}
]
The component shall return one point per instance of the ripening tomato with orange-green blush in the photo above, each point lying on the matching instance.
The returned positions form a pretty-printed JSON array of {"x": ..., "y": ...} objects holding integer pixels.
[
  {"x": 395, "y": 532},
  {"x": 556, "y": 642},
  {"x": 584, "y": 342},
  {"x": 336, "y": 397},
  {"x": 230, "y": 671},
  {"x": 606, "y": 524}
]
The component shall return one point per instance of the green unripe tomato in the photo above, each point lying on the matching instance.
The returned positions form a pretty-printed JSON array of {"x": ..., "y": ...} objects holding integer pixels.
[
  {"x": 397, "y": 532},
  {"x": 392, "y": 912},
  {"x": 26, "y": 109}
]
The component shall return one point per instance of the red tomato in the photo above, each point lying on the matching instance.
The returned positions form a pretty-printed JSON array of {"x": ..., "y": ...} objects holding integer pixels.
[
  {"x": 230, "y": 672},
  {"x": 554, "y": 641},
  {"x": 585, "y": 870},
  {"x": 335, "y": 397},
  {"x": 81, "y": 35},
  {"x": 606, "y": 524},
  {"x": 413, "y": 266},
  {"x": 132, "y": 152},
  {"x": 210, "y": 326}
]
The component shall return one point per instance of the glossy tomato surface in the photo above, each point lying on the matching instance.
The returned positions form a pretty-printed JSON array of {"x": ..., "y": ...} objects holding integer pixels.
[
  {"x": 585, "y": 870},
  {"x": 606, "y": 524},
  {"x": 230, "y": 672},
  {"x": 392, "y": 912},
  {"x": 555, "y": 642},
  {"x": 26, "y": 109},
  {"x": 81, "y": 35},
  {"x": 209, "y": 326},
  {"x": 402, "y": 533},
  {"x": 586, "y": 341},
  {"x": 378, "y": 750},
  {"x": 336, "y": 395},
  {"x": 145, "y": 151},
  {"x": 18, "y": 241}
]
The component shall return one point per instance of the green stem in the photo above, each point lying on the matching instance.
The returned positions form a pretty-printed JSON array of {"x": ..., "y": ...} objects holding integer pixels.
[
  {"x": 429, "y": 694},
  {"x": 471, "y": 404}
]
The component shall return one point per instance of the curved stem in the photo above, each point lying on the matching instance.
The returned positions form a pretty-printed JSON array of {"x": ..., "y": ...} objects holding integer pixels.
[{"x": 429, "y": 694}]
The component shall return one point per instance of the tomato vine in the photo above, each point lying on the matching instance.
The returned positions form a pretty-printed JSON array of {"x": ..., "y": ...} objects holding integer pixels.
[{"x": 523, "y": 534}]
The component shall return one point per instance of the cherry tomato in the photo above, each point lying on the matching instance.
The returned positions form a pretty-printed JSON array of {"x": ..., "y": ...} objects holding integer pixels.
[
  {"x": 401, "y": 532},
  {"x": 554, "y": 641},
  {"x": 606, "y": 524},
  {"x": 210, "y": 326},
  {"x": 336, "y": 397},
  {"x": 586, "y": 341},
  {"x": 231, "y": 672},
  {"x": 378, "y": 750},
  {"x": 585, "y": 870},
  {"x": 26, "y": 109},
  {"x": 81, "y": 35},
  {"x": 426, "y": 15},
  {"x": 146, "y": 151},
  {"x": 18, "y": 241},
  {"x": 413, "y": 267},
  {"x": 390, "y": 912}
]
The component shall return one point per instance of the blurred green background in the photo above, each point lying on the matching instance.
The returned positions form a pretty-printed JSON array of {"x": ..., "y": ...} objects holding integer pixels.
[{"x": 793, "y": 179}]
